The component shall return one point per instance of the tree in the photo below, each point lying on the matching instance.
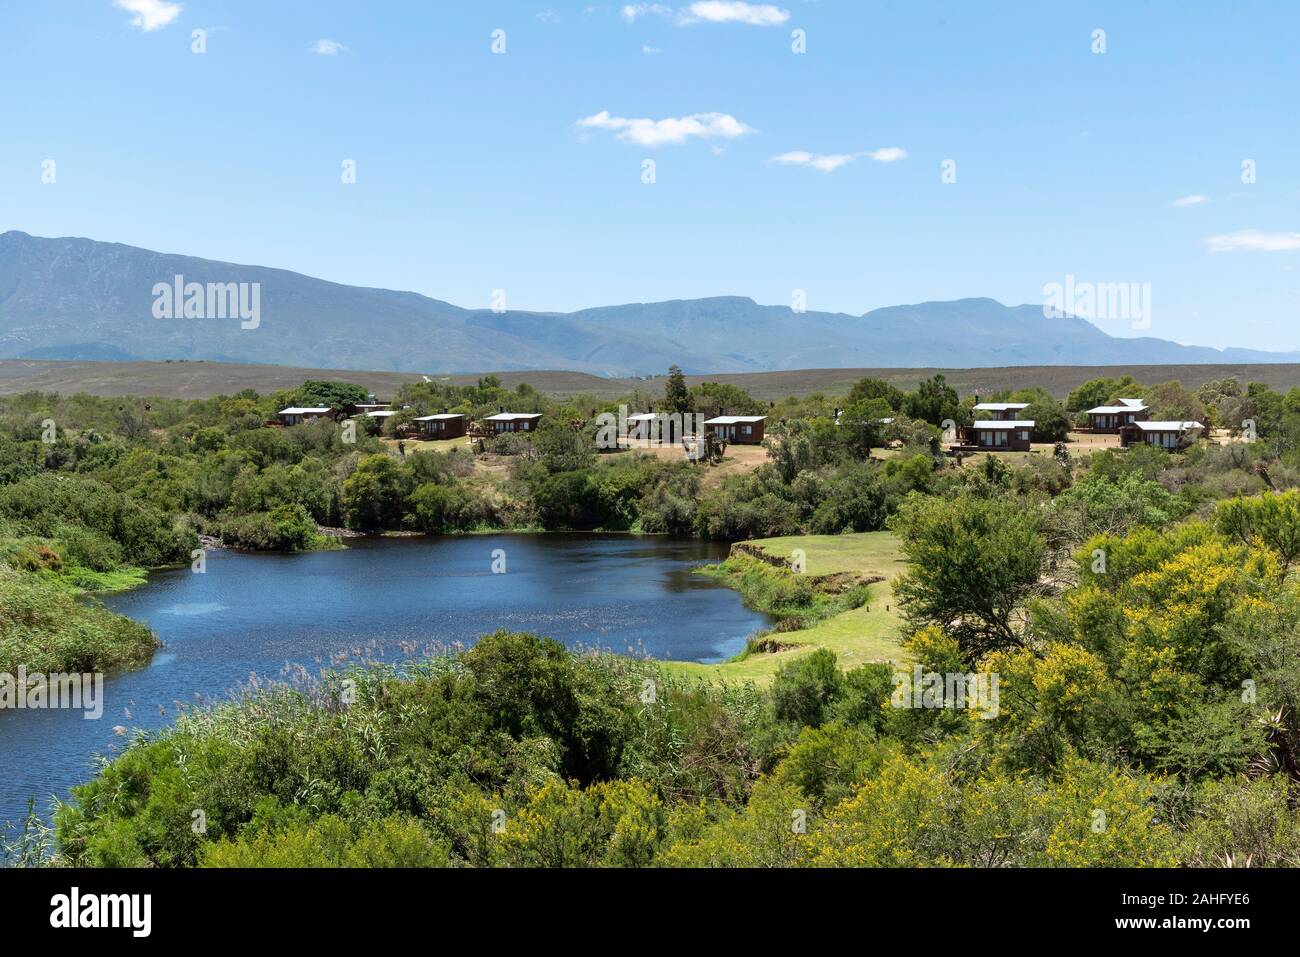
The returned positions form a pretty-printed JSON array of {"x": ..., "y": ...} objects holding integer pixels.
[
  {"x": 437, "y": 508},
  {"x": 829, "y": 762},
  {"x": 804, "y": 689},
  {"x": 562, "y": 448},
  {"x": 794, "y": 450},
  {"x": 869, "y": 388},
  {"x": 973, "y": 564},
  {"x": 1099, "y": 505},
  {"x": 861, "y": 428},
  {"x": 934, "y": 400},
  {"x": 1051, "y": 424},
  {"x": 374, "y": 495},
  {"x": 677, "y": 398},
  {"x": 1103, "y": 391},
  {"x": 715, "y": 398},
  {"x": 332, "y": 394},
  {"x": 1270, "y": 521},
  {"x": 1170, "y": 401}
]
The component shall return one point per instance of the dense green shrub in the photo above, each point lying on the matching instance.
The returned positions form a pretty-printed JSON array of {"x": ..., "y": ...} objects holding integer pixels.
[
  {"x": 286, "y": 528},
  {"x": 47, "y": 504},
  {"x": 45, "y": 628},
  {"x": 806, "y": 687},
  {"x": 436, "y": 508}
]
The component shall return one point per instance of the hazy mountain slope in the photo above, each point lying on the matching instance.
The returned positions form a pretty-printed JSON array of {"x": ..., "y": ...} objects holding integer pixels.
[{"x": 82, "y": 299}]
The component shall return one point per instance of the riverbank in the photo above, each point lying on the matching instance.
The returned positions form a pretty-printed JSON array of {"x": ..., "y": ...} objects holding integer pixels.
[
  {"x": 48, "y": 627},
  {"x": 833, "y": 565},
  {"x": 288, "y": 618}
]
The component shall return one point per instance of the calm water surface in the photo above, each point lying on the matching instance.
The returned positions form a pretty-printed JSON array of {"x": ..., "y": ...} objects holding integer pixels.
[{"x": 253, "y": 614}]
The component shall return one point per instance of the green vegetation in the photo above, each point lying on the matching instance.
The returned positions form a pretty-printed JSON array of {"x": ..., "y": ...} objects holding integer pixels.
[
  {"x": 1139, "y": 610},
  {"x": 44, "y": 628},
  {"x": 842, "y": 601}
]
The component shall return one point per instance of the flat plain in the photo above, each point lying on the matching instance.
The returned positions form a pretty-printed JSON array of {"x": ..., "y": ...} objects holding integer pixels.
[{"x": 183, "y": 379}]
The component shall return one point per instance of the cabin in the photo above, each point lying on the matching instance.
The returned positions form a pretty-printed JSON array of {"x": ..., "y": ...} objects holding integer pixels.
[
  {"x": 1165, "y": 435},
  {"x": 1113, "y": 418},
  {"x": 444, "y": 425},
  {"x": 364, "y": 408},
  {"x": 295, "y": 415},
  {"x": 641, "y": 425},
  {"x": 379, "y": 416},
  {"x": 663, "y": 427},
  {"x": 741, "y": 429},
  {"x": 504, "y": 422},
  {"x": 997, "y": 435},
  {"x": 1000, "y": 411}
]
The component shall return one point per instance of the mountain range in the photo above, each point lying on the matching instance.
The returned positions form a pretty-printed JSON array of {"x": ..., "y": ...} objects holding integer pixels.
[{"x": 83, "y": 299}]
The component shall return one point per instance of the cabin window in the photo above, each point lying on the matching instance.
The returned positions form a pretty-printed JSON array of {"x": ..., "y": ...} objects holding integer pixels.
[
  {"x": 1024, "y": 436},
  {"x": 747, "y": 430},
  {"x": 526, "y": 424}
]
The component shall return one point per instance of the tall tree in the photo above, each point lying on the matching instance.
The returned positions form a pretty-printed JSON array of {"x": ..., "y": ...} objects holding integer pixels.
[
  {"x": 677, "y": 398},
  {"x": 973, "y": 564}
]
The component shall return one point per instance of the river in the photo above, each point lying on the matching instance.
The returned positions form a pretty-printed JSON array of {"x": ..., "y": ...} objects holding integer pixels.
[{"x": 388, "y": 598}]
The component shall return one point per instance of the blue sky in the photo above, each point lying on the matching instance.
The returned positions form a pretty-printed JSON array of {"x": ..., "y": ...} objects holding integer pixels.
[{"x": 475, "y": 171}]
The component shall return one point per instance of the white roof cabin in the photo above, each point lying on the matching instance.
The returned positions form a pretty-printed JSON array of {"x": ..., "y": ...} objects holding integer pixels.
[
  {"x": 1168, "y": 426},
  {"x": 1129, "y": 405},
  {"x": 1003, "y": 424}
]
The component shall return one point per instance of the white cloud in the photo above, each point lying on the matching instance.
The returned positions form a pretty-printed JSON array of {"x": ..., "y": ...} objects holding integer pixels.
[
  {"x": 548, "y": 16},
  {"x": 1194, "y": 200},
  {"x": 825, "y": 162},
  {"x": 710, "y": 11},
  {"x": 829, "y": 162},
  {"x": 650, "y": 51},
  {"x": 149, "y": 14},
  {"x": 734, "y": 11},
  {"x": 327, "y": 48},
  {"x": 631, "y": 11},
  {"x": 1253, "y": 240},
  {"x": 645, "y": 132}
]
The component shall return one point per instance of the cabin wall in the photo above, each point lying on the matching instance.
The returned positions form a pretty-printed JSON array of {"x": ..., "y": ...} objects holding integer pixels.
[
  {"x": 736, "y": 434},
  {"x": 444, "y": 428},
  {"x": 985, "y": 439},
  {"x": 1113, "y": 422},
  {"x": 518, "y": 425}
]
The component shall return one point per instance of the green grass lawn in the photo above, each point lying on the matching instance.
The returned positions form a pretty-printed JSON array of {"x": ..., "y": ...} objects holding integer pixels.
[
  {"x": 869, "y": 633},
  {"x": 430, "y": 445}
]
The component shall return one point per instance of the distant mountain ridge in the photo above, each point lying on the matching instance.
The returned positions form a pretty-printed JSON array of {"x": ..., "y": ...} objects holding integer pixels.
[{"x": 83, "y": 299}]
